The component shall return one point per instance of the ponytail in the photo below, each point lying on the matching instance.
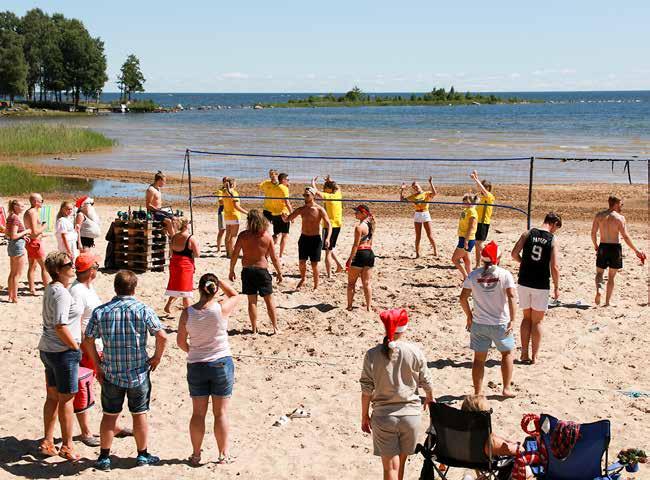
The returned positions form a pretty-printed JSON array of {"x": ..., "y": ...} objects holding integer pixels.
[
  {"x": 209, "y": 285},
  {"x": 385, "y": 349}
]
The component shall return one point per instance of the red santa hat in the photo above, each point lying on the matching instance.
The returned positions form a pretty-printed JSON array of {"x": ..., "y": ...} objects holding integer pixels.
[
  {"x": 491, "y": 253},
  {"x": 81, "y": 200},
  {"x": 395, "y": 321}
]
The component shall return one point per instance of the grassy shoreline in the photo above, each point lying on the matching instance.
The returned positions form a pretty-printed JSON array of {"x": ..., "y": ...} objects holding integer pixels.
[{"x": 41, "y": 139}]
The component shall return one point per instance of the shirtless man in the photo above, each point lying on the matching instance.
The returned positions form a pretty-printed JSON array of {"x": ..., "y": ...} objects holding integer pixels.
[
  {"x": 310, "y": 243},
  {"x": 153, "y": 202},
  {"x": 609, "y": 253},
  {"x": 35, "y": 250},
  {"x": 256, "y": 243}
]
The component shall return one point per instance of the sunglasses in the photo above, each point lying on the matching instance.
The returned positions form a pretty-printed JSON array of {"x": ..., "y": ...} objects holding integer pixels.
[{"x": 69, "y": 264}]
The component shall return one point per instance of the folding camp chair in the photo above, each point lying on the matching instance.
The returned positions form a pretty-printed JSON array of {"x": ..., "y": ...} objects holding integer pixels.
[
  {"x": 457, "y": 439},
  {"x": 47, "y": 215},
  {"x": 586, "y": 459},
  {"x": 3, "y": 225}
]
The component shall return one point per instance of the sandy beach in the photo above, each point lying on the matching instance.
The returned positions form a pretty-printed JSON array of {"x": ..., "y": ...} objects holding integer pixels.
[{"x": 588, "y": 356}]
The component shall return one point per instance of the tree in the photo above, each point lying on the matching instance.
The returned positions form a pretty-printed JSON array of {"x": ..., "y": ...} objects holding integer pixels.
[
  {"x": 354, "y": 95},
  {"x": 130, "y": 79},
  {"x": 13, "y": 68}
]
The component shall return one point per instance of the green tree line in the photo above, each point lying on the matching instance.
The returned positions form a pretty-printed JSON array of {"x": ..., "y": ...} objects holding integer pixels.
[{"x": 46, "y": 57}]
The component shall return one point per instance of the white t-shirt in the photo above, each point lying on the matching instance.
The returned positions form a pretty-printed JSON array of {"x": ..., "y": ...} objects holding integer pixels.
[
  {"x": 64, "y": 226},
  {"x": 489, "y": 294},
  {"x": 90, "y": 227},
  {"x": 59, "y": 308},
  {"x": 87, "y": 297}
]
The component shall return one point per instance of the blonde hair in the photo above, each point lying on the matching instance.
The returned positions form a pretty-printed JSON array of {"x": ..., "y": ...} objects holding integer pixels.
[
  {"x": 62, "y": 208},
  {"x": 257, "y": 223},
  {"x": 475, "y": 403},
  {"x": 182, "y": 223},
  {"x": 53, "y": 263}
]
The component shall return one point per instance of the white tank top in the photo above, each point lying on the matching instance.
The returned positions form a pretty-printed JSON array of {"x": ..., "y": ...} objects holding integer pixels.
[{"x": 208, "y": 334}]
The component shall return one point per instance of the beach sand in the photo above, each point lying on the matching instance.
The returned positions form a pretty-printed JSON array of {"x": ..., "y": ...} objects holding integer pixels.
[{"x": 587, "y": 356}]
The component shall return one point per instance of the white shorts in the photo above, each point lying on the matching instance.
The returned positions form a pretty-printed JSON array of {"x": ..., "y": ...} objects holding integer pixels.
[
  {"x": 533, "y": 298},
  {"x": 422, "y": 217},
  {"x": 232, "y": 222}
]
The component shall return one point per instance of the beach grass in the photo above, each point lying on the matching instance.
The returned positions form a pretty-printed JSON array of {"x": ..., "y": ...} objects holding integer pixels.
[
  {"x": 44, "y": 138},
  {"x": 19, "y": 181}
]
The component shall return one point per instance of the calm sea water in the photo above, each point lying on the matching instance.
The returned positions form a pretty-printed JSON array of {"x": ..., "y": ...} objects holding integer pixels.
[{"x": 585, "y": 124}]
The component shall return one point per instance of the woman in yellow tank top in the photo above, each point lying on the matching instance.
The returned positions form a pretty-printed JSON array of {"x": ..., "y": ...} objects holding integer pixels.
[
  {"x": 466, "y": 235},
  {"x": 419, "y": 198},
  {"x": 232, "y": 211}
]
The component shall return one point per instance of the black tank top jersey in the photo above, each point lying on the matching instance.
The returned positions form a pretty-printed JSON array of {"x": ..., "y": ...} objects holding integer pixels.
[{"x": 535, "y": 268}]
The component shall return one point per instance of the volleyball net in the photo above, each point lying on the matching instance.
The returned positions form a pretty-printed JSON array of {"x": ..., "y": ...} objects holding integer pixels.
[{"x": 376, "y": 180}]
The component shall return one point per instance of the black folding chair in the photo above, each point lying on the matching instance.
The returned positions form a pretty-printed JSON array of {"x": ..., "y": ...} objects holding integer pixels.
[{"x": 457, "y": 439}]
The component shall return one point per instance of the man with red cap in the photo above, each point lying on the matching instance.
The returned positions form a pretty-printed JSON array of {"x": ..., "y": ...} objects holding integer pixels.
[
  {"x": 493, "y": 291},
  {"x": 392, "y": 373}
]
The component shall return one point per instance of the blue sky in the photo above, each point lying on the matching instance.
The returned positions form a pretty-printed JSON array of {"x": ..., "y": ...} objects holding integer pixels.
[{"x": 289, "y": 46}]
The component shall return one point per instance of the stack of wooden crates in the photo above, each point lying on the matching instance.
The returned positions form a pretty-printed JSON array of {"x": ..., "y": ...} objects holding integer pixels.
[{"x": 140, "y": 245}]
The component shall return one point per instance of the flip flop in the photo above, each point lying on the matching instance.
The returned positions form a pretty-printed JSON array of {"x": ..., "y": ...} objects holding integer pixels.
[
  {"x": 124, "y": 432},
  {"x": 194, "y": 460},
  {"x": 280, "y": 422},
  {"x": 69, "y": 454},
  {"x": 225, "y": 459},
  {"x": 48, "y": 449},
  {"x": 300, "y": 413},
  {"x": 90, "y": 441}
]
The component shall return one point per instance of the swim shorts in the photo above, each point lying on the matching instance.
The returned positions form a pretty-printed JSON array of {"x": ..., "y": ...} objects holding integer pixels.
[
  {"x": 422, "y": 217},
  {"x": 482, "y": 336},
  {"x": 309, "y": 247},
  {"x": 333, "y": 238},
  {"x": 160, "y": 216},
  {"x": 610, "y": 255},
  {"x": 35, "y": 249},
  {"x": 279, "y": 225},
  {"x": 533, "y": 298},
  {"x": 482, "y": 231},
  {"x": 461, "y": 244},
  {"x": 256, "y": 281},
  {"x": 363, "y": 259}
]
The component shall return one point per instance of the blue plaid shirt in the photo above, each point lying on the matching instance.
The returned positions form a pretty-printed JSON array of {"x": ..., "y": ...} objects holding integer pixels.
[{"x": 122, "y": 324}]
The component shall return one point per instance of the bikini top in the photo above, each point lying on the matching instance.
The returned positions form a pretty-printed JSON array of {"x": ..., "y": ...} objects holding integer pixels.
[
  {"x": 187, "y": 251},
  {"x": 368, "y": 236}
]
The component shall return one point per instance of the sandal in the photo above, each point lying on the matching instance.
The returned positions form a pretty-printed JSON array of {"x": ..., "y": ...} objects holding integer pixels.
[
  {"x": 48, "y": 449},
  {"x": 225, "y": 459},
  {"x": 124, "y": 432},
  {"x": 194, "y": 460},
  {"x": 69, "y": 454}
]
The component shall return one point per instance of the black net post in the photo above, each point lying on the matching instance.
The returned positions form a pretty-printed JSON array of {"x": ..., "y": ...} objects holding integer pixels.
[
  {"x": 530, "y": 191},
  {"x": 189, "y": 181}
]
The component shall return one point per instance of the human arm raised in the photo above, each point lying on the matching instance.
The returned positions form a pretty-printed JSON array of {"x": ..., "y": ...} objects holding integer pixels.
[
  {"x": 318, "y": 193},
  {"x": 479, "y": 184},
  {"x": 433, "y": 188},
  {"x": 228, "y": 304},
  {"x": 402, "y": 189}
]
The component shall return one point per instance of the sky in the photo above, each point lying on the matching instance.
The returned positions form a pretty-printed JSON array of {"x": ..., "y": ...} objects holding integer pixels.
[{"x": 379, "y": 45}]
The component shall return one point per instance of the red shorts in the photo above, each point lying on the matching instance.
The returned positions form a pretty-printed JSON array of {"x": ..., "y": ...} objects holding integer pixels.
[{"x": 35, "y": 250}]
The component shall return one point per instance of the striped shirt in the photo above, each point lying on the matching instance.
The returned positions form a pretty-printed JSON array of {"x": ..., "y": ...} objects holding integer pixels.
[
  {"x": 208, "y": 332},
  {"x": 122, "y": 325}
]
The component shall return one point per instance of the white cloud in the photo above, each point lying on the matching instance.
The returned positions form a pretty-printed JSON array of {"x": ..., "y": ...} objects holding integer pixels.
[{"x": 515, "y": 75}]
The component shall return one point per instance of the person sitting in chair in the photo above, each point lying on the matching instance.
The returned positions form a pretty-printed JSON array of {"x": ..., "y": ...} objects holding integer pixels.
[{"x": 153, "y": 203}]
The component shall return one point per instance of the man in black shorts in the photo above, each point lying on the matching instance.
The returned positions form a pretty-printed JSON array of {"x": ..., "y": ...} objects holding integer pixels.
[
  {"x": 310, "y": 243},
  {"x": 609, "y": 253},
  {"x": 256, "y": 244}
]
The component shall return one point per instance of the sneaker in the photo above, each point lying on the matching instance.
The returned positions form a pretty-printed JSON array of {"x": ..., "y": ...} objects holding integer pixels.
[
  {"x": 146, "y": 459},
  {"x": 103, "y": 464}
]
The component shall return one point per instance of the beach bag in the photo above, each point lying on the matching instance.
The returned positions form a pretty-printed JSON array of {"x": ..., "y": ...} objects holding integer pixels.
[{"x": 85, "y": 397}]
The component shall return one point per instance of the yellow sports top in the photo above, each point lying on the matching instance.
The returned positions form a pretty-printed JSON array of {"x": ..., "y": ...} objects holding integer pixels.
[
  {"x": 334, "y": 209},
  {"x": 485, "y": 208},
  {"x": 463, "y": 223},
  {"x": 417, "y": 198}
]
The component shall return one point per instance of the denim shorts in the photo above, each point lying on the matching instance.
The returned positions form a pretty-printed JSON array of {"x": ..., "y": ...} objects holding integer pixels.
[
  {"x": 138, "y": 397},
  {"x": 482, "y": 336},
  {"x": 214, "y": 379},
  {"x": 16, "y": 248},
  {"x": 62, "y": 370}
]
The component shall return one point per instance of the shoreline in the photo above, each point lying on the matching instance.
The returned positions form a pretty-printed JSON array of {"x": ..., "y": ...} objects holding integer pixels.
[{"x": 572, "y": 201}]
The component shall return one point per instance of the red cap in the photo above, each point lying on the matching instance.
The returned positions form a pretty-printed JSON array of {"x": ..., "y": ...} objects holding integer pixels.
[
  {"x": 395, "y": 321},
  {"x": 80, "y": 201},
  {"x": 85, "y": 261},
  {"x": 491, "y": 253}
]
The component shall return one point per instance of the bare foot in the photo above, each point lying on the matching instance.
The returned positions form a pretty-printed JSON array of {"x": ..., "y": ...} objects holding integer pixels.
[
  {"x": 597, "y": 299},
  {"x": 300, "y": 284},
  {"x": 32, "y": 292},
  {"x": 349, "y": 308},
  {"x": 417, "y": 255},
  {"x": 339, "y": 269},
  {"x": 507, "y": 393}
]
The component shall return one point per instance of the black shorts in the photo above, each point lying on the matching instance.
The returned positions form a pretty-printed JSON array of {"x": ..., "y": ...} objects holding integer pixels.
[
  {"x": 333, "y": 238},
  {"x": 268, "y": 215},
  {"x": 161, "y": 216},
  {"x": 256, "y": 281},
  {"x": 309, "y": 247},
  {"x": 482, "y": 231},
  {"x": 363, "y": 259},
  {"x": 87, "y": 242},
  {"x": 279, "y": 225},
  {"x": 610, "y": 255}
]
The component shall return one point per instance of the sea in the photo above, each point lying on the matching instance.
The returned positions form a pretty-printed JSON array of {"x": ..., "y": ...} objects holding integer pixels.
[{"x": 498, "y": 140}]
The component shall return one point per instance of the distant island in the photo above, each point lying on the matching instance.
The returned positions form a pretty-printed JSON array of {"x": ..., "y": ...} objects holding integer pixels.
[{"x": 437, "y": 96}]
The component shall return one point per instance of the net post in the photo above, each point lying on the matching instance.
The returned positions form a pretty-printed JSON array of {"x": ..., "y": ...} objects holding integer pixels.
[
  {"x": 189, "y": 181},
  {"x": 530, "y": 191}
]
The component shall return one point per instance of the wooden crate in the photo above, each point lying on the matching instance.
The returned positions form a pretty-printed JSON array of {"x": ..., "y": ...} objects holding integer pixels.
[{"x": 140, "y": 246}]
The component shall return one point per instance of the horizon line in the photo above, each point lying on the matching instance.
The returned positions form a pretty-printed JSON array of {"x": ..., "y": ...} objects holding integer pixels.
[{"x": 394, "y": 91}]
